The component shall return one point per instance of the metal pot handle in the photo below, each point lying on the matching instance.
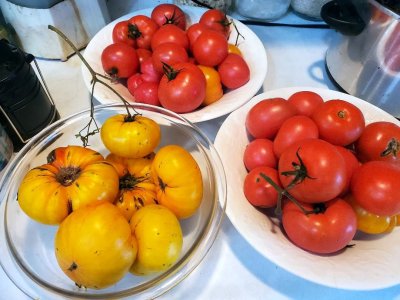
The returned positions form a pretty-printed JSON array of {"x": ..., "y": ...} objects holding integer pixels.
[{"x": 343, "y": 16}]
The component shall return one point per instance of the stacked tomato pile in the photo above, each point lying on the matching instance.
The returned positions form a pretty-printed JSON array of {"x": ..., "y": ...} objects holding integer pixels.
[
  {"x": 326, "y": 172},
  {"x": 116, "y": 214},
  {"x": 166, "y": 62}
]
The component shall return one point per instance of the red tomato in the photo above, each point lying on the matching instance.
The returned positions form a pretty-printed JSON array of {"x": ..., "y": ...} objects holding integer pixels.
[
  {"x": 375, "y": 186},
  {"x": 170, "y": 34},
  {"x": 142, "y": 29},
  {"x": 183, "y": 88},
  {"x": 234, "y": 71},
  {"x": 119, "y": 60},
  {"x": 312, "y": 171},
  {"x": 169, "y": 53},
  {"x": 149, "y": 72},
  {"x": 259, "y": 152},
  {"x": 339, "y": 122},
  {"x": 194, "y": 31},
  {"x": 257, "y": 190},
  {"x": 216, "y": 20},
  {"x": 147, "y": 92},
  {"x": 143, "y": 54},
  {"x": 293, "y": 130},
  {"x": 305, "y": 102},
  {"x": 120, "y": 34},
  {"x": 351, "y": 163},
  {"x": 323, "y": 232},
  {"x": 210, "y": 48},
  {"x": 265, "y": 118},
  {"x": 168, "y": 13},
  {"x": 379, "y": 141},
  {"x": 133, "y": 82}
]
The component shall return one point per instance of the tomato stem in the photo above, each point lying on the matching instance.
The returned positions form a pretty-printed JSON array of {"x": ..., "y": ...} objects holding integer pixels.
[
  {"x": 299, "y": 172},
  {"x": 393, "y": 148},
  {"x": 169, "y": 72}
]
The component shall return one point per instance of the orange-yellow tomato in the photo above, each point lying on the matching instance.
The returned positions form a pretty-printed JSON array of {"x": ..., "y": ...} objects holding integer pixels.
[
  {"x": 214, "y": 89},
  {"x": 130, "y": 137},
  {"x": 73, "y": 177},
  {"x": 234, "y": 49},
  {"x": 94, "y": 246},
  {"x": 178, "y": 180},
  {"x": 135, "y": 183},
  {"x": 159, "y": 239}
]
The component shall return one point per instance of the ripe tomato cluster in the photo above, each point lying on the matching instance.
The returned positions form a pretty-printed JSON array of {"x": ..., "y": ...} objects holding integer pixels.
[
  {"x": 121, "y": 211},
  {"x": 326, "y": 172},
  {"x": 165, "y": 61}
]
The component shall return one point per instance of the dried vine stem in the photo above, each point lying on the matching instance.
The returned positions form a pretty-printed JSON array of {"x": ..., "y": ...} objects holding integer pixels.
[{"x": 84, "y": 136}]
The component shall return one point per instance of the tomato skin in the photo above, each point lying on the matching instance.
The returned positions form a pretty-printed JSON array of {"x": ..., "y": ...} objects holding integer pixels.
[
  {"x": 305, "y": 102},
  {"x": 130, "y": 138},
  {"x": 143, "y": 29},
  {"x": 322, "y": 233},
  {"x": 210, "y": 48},
  {"x": 119, "y": 60},
  {"x": 149, "y": 72},
  {"x": 186, "y": 91},
  {"x": 194, "y": 31},
  {"x": 234, "y": 71},
  {"x": 339, "y": 122},
  {"x": 134, "y": 82},
  {"x": 143, "y": 54},
  {"x": 216, "y": 19},
  {"x": 257, "y": 190},
  {"x": 375, "y": 139},
  {"x": 234, "y": 49},
  {"x": 120, "y": 34},
  {"x": 375, "y": 186},
  {"x": 259, "y": 152},
  {"x": 169, "y": 53},
  {"x": 170, "y": 34},
  {"x": 214, "y": 90},
  {"x": 147, "y": 92},
  {"x": 325, "y": 167},
  {"x": 178, "y": 179},
  {"x": 93, "y": 235},
  {"x": 168, "y": 13},
  {"x": 293, "y": 130},
  {"x": 266, "y": 117}
]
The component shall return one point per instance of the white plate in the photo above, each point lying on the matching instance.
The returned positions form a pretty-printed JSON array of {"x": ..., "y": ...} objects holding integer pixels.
[
  {"x": 370, "y": 264},
  {"x": 252, "y": 48}
]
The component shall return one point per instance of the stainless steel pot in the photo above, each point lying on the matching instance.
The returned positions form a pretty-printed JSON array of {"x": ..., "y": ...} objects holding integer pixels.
[{"x": 364, "y": 57}]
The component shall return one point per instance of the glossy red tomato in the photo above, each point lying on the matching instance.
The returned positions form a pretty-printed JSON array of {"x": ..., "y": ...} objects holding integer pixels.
[
  {"x": 266, "y": 117},
  {"x": 293, "y": 130},
  {"x": 133, "y": 82},
  {"x": 142, "y": 29},
  {"x": 194, "y": 31},
  {"x": 259, "y": 152},
  {"x": 149, "y": 72},
  {"x": 351, "y": 163},
  {"x": 168, "y": 13},
  {"x": 182, "y": 88},
  {"x": 326, "y": 231},
  {"x": 305, "y": 102},
  {"x": 169, "y": 53},
  {"x": 147, "y": 92},
  {"x": 257, "y": 190},
  {"x": 216, "y": 19},
  {"x": 170, "y": 34},
  {"x": 143, "y": 54},
  {"x": 375, "y": 186},
  {"x": 312, "y": 171},
  {"x": 119, "y": 60},
  {"x": 339, "y": 122},
  {"x": 121, "y": 34},
  {"x": 234, "y": 71},
  {"x": 210, "y": 48},
  {"x": 379, "y": 141}
]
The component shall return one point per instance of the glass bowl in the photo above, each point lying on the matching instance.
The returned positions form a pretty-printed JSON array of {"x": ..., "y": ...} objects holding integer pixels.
[{"x": 27, "y": 251}]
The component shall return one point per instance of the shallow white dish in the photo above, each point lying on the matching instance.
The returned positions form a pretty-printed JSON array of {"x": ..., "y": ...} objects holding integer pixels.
[
  {"x": 251, "y": 47},
  {"x": 373, "y": 263}
]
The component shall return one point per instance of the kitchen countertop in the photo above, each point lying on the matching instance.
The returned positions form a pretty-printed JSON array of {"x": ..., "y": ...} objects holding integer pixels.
[{"x": 232, "y": 269}]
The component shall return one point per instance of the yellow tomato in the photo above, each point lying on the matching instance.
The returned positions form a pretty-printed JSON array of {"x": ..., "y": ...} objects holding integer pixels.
[
  {"x": 74, "y": 177},
  {"x": 214, "y": 89},
  {"x": 94, "y": 246},
  {"x": 135, "y": 184},
  {"x": 234, "y": 49},
  {"x": 159, "y": 239},
  {"x": 133, "y": 137},
  {"x": 178, "y": 180}
]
